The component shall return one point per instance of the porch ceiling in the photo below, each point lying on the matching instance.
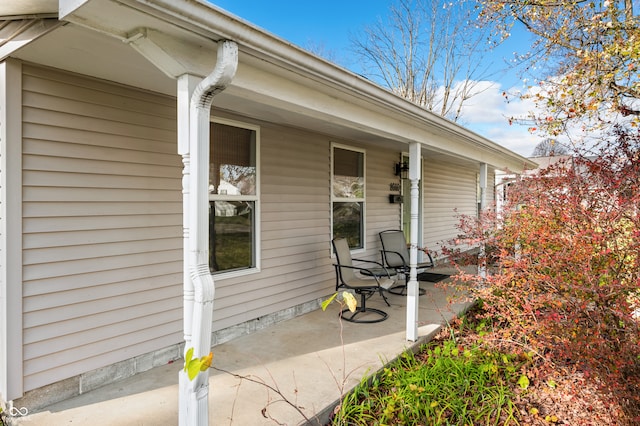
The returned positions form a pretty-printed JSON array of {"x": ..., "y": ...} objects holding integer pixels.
[
  {"x": 276, "y": 81},
  {"x": 110, "y": 59}
]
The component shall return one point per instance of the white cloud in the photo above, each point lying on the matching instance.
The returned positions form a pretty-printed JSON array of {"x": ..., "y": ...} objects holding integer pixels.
[
  {"x": 515, "y": 137},
  {"x": 488, "y": 114}
]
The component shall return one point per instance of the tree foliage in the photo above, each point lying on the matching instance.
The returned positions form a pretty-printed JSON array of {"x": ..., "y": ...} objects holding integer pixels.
[
  {"x": 428, "y": 52},
  {"x": 566, "y": 250},
  {"x": 590, "y": 52}
]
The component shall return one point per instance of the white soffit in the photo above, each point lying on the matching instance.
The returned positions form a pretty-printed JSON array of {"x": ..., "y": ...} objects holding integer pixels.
[
  {"x": 103, "y": 57},
  {"x": 17, "y": 33},
  {"x": 28, "y": 7}
]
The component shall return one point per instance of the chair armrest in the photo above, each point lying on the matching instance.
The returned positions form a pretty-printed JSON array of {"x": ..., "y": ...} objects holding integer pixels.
[
  {"x": 405, "y": 262},
  {"x": 430, "y": 258},
  {"x": 369, "y": 261},
  {"x": 367, "y": 271}
]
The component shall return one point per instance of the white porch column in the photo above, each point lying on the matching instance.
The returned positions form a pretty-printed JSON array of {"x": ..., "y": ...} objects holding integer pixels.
[
  {"x": 11, "y": 306},
  {"x": 482, "y": 267},
  {"x": 186, "y": 85},
  {"x": 483, "y": 185},
  {"x": 412, "y": 284},
  {"x": 194, "y": 109}
]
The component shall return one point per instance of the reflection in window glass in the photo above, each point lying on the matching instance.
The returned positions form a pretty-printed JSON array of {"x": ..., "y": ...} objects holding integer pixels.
[
  {"x": 236, "y": 180},
  {"x": 347, "y": 222},
  {"x": 348, "y": 174},
  {"x": 233, "y": 160},
  {"x": 348, "y": 187},
  {"x": 232, "y": 198}
]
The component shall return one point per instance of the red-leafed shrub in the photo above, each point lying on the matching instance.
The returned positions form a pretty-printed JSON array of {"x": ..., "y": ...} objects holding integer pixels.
[{"x": 564, "y": 266}]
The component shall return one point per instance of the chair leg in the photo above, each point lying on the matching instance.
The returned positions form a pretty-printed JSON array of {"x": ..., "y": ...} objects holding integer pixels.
[
  {"x": 378, "y": 315},
  {"x": 381, "y": 290}
]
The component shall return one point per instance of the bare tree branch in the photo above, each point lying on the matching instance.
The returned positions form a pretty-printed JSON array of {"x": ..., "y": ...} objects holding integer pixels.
[{"x": 428, "y": 52}]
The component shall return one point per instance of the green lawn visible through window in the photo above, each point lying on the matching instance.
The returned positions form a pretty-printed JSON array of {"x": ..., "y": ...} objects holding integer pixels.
[{"x": 232, "y": 244}]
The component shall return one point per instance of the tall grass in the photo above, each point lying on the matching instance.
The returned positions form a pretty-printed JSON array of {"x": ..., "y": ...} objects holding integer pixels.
[{"x": 444, "y": 384}]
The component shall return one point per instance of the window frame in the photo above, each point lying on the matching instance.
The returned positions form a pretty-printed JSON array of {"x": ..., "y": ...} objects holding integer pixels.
[
  {"x": 362, "y": 200},
  {"x": 254, "y": 198}
]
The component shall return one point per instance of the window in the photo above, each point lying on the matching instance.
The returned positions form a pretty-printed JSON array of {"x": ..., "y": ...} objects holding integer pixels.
[
  {"x": 348, "y": 195},
  {"x": 233, "y": 197}
]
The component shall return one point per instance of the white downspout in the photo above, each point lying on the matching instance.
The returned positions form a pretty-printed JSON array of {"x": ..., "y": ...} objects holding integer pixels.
[
  {"x": 199, "y": 287},
  {"x": 412, "y": 284}
]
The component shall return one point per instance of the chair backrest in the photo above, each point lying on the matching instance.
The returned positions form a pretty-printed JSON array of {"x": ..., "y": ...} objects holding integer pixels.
[
  {"x": 394, "y": 245},
  {"x": 343, "y": 257}
]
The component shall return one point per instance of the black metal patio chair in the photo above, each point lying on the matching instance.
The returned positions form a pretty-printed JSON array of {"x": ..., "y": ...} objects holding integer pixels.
[
  {"x": 363, "y": 281},
  {"x": 395, "y": 255}
]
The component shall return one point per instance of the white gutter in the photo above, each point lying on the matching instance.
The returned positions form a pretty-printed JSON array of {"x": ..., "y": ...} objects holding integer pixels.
[{"x": 199, "y": 288}]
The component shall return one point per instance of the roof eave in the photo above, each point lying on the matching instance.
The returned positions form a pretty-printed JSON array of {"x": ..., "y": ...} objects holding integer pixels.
[{"x": 212, "y": 23}]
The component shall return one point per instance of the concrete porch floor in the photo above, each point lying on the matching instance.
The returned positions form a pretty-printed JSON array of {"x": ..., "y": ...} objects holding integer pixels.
[{"x": 312, "y": 360}]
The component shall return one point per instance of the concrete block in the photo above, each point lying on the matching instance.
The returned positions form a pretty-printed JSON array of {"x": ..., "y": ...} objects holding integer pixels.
[
  {"x": 39, "y": 398},
  {"x": 109, "y": 374},
  {"x": 157, "y": 358}
]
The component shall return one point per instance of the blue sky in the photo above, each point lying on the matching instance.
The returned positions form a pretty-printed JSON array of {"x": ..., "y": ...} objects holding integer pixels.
[
  {"x": 326, "y": 22},
  {"x": 329, "y": 25}
]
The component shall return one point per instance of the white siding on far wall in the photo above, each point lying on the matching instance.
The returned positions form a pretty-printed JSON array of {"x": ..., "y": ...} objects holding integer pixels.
[
  {"x": 449, "y": 190},
  {"x": 102, "y": 218}
]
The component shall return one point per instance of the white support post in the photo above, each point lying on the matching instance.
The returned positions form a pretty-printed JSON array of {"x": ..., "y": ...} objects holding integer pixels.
[
  {"x": 11, "y": 321},
  {"x": 482, "y": 266},
  {"x": 186, "y": 85},
  {"x": 199, "y": 286},
  {"x": 412, "y": 284},
  {"x": 483, "y": 185}
]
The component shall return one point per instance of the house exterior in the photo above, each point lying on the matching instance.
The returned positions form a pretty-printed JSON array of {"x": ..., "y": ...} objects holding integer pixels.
[
  {"x": 504, "y": 179},
  {"x": 93, "y": 217}
]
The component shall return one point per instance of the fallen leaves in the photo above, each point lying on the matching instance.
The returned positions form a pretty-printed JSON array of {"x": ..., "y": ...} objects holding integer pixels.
[{"x": 550, "y": 393}]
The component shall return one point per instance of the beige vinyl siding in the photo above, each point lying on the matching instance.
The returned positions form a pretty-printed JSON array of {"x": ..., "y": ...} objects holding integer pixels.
[
  {"x": 381, "y": 214},
  {"x": 449, "y": 190},
  {"x": 295, "y": 227},
  {"x": 295, "y": 204},
  {"x": 102, "y": 225}
]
